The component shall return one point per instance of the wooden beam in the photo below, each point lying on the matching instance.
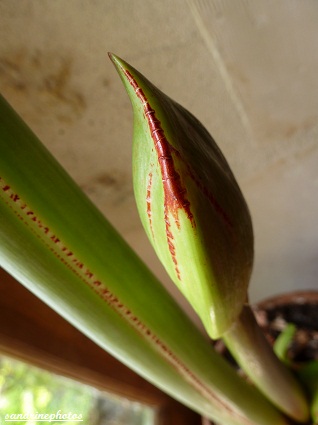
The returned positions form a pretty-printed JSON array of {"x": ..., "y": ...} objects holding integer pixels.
[{"x": 33, "y": 332}]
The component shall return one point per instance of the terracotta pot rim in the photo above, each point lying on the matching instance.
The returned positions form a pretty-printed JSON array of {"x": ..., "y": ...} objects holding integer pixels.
[{"x": 294, "y": 297}]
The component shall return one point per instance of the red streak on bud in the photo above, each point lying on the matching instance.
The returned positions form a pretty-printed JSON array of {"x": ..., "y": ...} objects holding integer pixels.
[
  {"x": 148, "y": 199},
  {"x": 175, "y": 198},
  {"x": 211, "y": 198}
]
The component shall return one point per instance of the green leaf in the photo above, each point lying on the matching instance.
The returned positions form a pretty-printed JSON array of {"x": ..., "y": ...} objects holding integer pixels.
[
  {"x": 57, "y": 244},
  {"x": 189, "y": 203},
  {"x": 308, "y": 375},
  {"x": 283, "y": 342}
]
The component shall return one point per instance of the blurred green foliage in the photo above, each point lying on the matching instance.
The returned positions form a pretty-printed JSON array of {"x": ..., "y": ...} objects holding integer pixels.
[{"x": 28, "y": 390}]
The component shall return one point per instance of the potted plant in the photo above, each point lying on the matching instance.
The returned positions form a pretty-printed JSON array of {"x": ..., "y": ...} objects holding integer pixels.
[{"x": 57, "y": 244}]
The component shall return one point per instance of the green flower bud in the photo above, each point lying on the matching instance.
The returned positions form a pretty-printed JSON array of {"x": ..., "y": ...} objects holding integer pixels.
[{"x": 190, "y": 204}]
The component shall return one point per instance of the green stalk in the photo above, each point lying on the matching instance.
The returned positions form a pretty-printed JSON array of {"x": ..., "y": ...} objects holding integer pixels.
[
  {"x": 251, "y": 350},
  {"x": 57, "y": 244}
]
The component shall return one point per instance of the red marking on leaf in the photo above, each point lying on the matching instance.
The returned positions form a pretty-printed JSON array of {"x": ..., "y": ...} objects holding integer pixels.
[
  {"x": 14, "y": 197},
  {"x": 88, "y": 278}
]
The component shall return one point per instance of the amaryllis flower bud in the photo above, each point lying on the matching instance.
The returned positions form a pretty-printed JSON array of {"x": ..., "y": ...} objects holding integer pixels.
[{"x": 190, "y": 204}]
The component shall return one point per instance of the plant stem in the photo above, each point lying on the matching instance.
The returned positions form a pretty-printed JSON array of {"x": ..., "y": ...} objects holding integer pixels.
[{"x": 253, "y": 353}]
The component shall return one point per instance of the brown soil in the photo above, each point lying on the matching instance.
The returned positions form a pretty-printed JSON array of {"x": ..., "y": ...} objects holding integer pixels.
[{"x": 273, "y": 316}]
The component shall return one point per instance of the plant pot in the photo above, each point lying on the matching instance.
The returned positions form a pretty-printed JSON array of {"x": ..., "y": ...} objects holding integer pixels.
[{"x": 273, "y": 314}]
